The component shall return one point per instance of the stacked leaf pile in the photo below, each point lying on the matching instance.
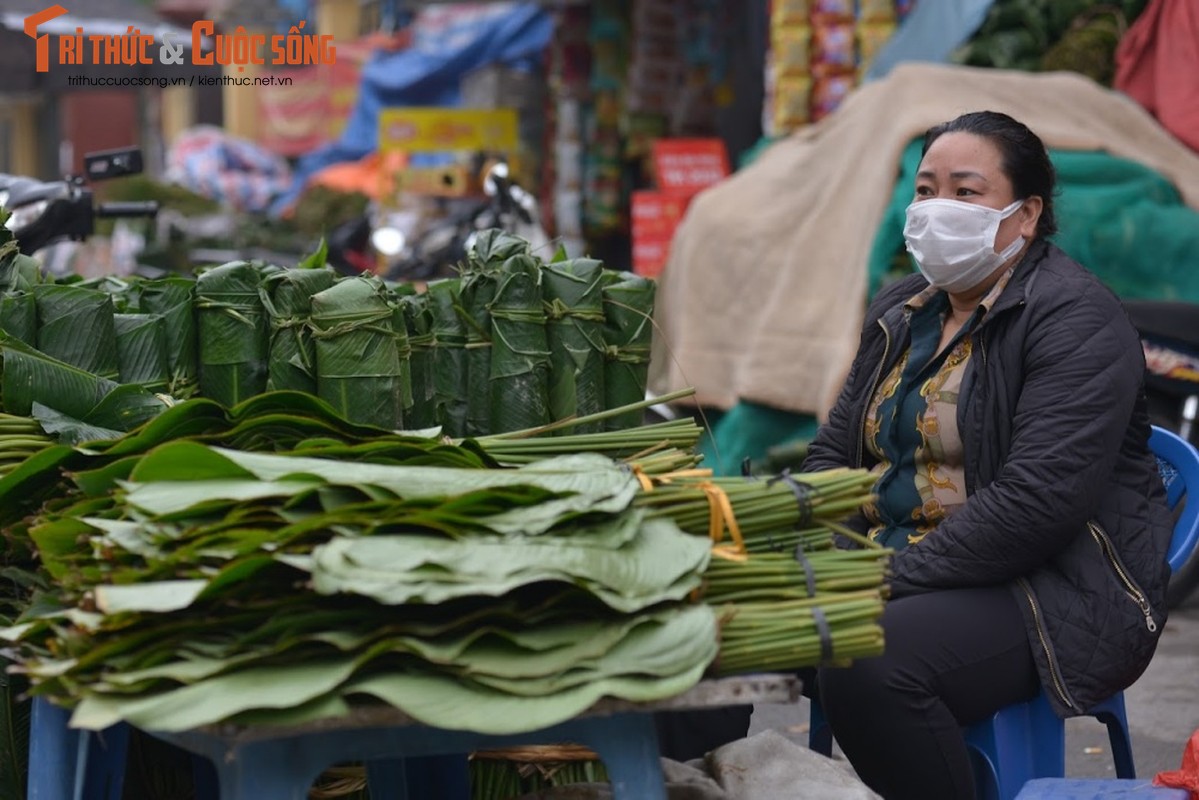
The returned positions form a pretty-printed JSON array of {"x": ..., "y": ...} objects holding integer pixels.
[
  {"x": 197, "y": 584},
  {"x": 184, "y": 567},
  {"x": 513, "y": 344}
]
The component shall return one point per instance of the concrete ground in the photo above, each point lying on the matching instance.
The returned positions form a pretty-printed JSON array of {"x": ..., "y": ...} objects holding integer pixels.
[{"x": 1163, "y": 709}]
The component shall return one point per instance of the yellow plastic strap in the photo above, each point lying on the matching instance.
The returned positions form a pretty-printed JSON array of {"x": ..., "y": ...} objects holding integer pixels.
[
  {"x": 646, "y": 484},
  {"x": 720, "y": 516}
]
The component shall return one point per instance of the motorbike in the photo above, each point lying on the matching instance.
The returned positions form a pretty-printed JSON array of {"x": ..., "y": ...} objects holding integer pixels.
[
  {"x": 412, "y": 250},
  {"x": 43, "y": 214},
  {"x": 1169, "y": 333}
]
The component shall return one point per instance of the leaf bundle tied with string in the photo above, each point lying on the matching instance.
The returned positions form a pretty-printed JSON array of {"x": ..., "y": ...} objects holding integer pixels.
[
  {"x": 172, "y": 298},
  {"x": 422, "y": 341},
  {"x": 520, "y": 357},
  {"x": 234, "y": 339},
  {"x": 287, "y": 298},
  {"x": 573, "y": 290},
  {"x": 628, "y": 333},
  {"x": 75, "y": 326},
  {"x": 449, "y": 356},
  {"x": 478, "y": 290},
  {"x": 142, "y": 350},
  {"x": 358, "y": 356},
  {"x": 18, "y": 275}
]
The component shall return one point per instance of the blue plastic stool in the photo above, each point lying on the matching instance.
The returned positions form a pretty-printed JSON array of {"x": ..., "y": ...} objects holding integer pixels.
[
  {"x": 1027, "y": 741},
  {"x": 1097, "y": 789},
  {"x": 1017, "y": 744}
]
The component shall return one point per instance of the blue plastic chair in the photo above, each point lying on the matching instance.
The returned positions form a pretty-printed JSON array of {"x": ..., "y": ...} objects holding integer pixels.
[{"x": 1027, "y": 740}]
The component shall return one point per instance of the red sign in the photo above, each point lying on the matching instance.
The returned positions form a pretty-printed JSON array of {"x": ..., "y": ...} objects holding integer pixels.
[
  {"x": 688, "y": 166},
  {"x": 656, "y": 215}
]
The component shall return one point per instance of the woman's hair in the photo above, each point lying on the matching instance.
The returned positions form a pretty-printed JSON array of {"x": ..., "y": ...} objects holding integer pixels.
[{"x": 1025, "y": 160}]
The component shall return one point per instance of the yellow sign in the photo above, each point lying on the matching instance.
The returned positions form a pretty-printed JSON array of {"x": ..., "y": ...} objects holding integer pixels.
[
  {"x": 452, "y": 181},
  {"x": 432, "y": 130}
]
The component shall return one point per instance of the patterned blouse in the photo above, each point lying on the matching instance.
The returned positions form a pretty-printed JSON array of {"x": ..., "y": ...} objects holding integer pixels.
[{"x": 911, "y": 425}]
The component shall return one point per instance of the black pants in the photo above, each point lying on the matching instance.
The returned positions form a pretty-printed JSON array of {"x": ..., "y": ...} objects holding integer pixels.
[{"x": 952, "y": 659}]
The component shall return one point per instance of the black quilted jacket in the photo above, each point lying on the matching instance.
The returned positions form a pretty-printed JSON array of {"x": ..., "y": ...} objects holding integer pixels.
[{"x": 1065, "y": 503}]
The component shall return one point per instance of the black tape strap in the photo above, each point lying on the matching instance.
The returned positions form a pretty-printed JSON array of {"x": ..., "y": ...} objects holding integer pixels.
[
  {"x": 802, "y": 494},
  {"x": 747, "y": 468},
  {"x": 808, "y": 570},
  {"x": 825, "y": 634}
]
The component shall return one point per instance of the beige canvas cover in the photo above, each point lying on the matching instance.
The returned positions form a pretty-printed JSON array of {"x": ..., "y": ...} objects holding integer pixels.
[{"x": 763, "y": 296}]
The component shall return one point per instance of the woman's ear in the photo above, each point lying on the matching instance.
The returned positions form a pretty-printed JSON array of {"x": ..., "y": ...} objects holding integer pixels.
[{"x": 1029, "y": 215}]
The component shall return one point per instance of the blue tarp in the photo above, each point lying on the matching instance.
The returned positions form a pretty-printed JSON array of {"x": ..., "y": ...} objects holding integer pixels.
[
  {"x": 428, "y": 74},
  {"x": 933, "y": 30}
]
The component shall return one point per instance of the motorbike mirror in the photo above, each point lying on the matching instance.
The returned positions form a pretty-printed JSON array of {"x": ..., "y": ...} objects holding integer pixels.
[
  {"x": 388, "y": 241},
  {"x": 113, "y": 163}
]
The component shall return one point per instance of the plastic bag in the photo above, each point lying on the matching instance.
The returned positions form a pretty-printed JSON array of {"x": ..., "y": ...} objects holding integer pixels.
[{"x": 1187, "y": 777}]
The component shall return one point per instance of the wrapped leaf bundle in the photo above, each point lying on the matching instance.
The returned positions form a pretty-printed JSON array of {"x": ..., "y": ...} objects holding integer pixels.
[
  {"x": 18, "y": 275},
  {"x": 358, "y": 366},
  {"x": 142, "y": 350},
  {"x": 573, "y": 292},
  {"x": 75, "y": 326},
  {"x": 18, "y": 316},
  {"x": 171, "y": 298},
  {"x": 233, "y": 335},
  {"x": 287, "y": 298},
  {"x": 449, "y": 356},
  {"x": 628, "y": 331},
  {"x": 478, "y": 290},
  {"x": 399, "y": 327},
  {"x": 493, "y": 247},
  {"x": 520, "y": 358},
  {"x": 418, "y": 316}
]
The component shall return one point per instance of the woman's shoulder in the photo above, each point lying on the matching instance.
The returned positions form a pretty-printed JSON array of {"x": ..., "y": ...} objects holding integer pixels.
[
  {"x": 1061, "y": 291},
  {"x": 1061, "y": 280}
]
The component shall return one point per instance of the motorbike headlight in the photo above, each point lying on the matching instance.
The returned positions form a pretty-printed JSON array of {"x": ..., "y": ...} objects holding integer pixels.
[
  {"x": 388, "y": 241},
  {"x": 25, "y": 216}
]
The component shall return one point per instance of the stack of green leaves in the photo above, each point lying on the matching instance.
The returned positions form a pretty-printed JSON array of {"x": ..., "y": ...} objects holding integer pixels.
[
  {"x": 360, "y": 366},
  {"x": 71, "y": 404},
  {"x": 234, "y": 333},
  {"x": 287, "y": 298},
  {"x": 573, "y": 290},
  {"x": 222, "y": 586},
  {"x": 628, "y": 333}
]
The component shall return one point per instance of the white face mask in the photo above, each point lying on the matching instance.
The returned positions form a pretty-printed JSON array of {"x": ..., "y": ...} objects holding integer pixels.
[{"x": 954, "y": 242}]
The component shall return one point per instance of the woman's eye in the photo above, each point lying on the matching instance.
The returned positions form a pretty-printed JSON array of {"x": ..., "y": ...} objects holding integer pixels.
[
  {"x": 923, "y": 191},
  {"x": 964, "y": 192}
]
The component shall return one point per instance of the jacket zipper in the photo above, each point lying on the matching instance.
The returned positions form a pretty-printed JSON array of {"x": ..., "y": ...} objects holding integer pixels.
[
  {"x": 1059, "y": 685},
  {"x": 1130, "y": 587},
  {"x": 878, "y": 372}
]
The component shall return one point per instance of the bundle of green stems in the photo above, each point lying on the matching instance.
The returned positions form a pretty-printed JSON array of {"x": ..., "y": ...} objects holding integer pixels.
[
  {"x": 768, "y": 513},
  {"x": 771, "y": 577},
  {"x": 784, "y": 635}
]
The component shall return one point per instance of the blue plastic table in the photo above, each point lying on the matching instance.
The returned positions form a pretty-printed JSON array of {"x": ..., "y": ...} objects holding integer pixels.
[{"x": 262, "y": 763}]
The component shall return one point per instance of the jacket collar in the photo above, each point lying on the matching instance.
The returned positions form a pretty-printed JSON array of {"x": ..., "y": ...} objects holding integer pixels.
[{"x": 1014, "y": 294}]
